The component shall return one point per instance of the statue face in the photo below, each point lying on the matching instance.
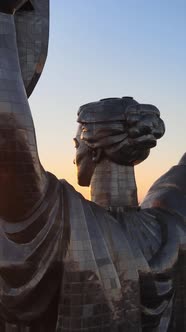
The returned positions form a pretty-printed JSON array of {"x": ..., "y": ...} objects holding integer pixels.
[
  {"x": 83, "y": 160},
  {"x": 10, "y": 6}
]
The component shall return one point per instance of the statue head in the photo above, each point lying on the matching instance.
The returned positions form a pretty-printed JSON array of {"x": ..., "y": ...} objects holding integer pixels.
[{"x": 118, "y": 129}]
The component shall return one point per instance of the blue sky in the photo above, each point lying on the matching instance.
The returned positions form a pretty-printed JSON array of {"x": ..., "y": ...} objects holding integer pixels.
[{"x": 108, "y": 48}]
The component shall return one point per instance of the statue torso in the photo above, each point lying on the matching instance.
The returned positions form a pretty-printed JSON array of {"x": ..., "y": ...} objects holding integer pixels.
[
  {"x": 67, "y": 265},
  {"x": 70, "y": 264}
]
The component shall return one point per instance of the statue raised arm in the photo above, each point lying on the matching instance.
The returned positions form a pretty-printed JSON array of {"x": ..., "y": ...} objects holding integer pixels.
[{"x": 23, "y": 181}]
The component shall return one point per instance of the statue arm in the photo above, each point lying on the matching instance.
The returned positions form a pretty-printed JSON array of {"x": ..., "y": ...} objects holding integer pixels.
[
  {"x": 23, "y": 181},
  {"x": 169, "y": 191}
]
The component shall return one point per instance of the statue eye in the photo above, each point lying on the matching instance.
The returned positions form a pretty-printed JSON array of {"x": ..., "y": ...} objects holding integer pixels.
[{"x": 76, "y": 143}]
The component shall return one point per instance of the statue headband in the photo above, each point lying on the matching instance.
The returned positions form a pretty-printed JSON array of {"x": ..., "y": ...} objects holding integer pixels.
[
  {"x": 32, "y": 29},
  {"x": 112, "y": 109}
]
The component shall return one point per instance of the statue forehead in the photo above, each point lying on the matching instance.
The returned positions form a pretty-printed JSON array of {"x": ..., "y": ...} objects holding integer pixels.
[{"x": 32, "y": 30}]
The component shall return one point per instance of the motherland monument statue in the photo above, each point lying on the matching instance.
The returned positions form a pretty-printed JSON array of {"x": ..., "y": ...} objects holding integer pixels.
[
  {"x": 113, "y": 136},
  {"x": 65, "y": 263}
]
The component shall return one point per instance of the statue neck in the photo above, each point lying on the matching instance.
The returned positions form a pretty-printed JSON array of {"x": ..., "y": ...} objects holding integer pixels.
[{"x": 114, "y": 185}]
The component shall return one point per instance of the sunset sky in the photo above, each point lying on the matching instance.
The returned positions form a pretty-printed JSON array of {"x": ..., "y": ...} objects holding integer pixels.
[{"x": 112, "y": 48}]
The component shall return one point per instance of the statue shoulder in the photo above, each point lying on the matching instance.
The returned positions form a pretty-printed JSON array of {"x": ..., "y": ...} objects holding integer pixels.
[
  {"x": 92, "y": 224},
  {"x": 90, "y": 209},
  {"x": 169, "y": 192},
  {"x": 99, "y": 255}
]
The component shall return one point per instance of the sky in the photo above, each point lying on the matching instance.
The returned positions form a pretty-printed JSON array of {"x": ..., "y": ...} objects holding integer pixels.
[{"x": 112, "y": 48}]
